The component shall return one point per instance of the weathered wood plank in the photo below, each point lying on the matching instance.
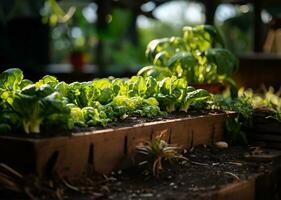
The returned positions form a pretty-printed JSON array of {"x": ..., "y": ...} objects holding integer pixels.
[{"x": 105, "y": 150}]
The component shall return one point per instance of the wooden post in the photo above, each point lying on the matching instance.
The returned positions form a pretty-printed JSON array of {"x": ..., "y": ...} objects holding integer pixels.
[
  {"x": 257, "y": 26},
  {"x": 104, "y": 8},
  {"x": 210, "y": 6}
]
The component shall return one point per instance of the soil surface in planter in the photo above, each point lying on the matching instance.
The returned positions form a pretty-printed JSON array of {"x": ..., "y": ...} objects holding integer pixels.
[
  {"x": 133, "y": 120},
  {"x": 207, "y": 170},
  {"x": 127, "y": 122}
]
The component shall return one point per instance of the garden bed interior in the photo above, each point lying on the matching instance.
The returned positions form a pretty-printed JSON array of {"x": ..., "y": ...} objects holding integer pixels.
[{"x": 106, "y": 149}]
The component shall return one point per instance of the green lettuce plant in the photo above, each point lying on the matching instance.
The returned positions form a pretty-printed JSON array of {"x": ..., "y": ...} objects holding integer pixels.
[
  {"x": 29, "y": 107},
  {"x": 198, "y": 56}
]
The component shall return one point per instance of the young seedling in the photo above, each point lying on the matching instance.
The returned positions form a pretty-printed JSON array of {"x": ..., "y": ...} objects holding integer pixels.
[{"x": 153, "y": 153}]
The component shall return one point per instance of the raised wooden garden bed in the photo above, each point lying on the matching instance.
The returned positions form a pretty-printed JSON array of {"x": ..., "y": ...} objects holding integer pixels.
[
  {"x": 265, "y": 131},
  {"x": 104, "y": 150}
]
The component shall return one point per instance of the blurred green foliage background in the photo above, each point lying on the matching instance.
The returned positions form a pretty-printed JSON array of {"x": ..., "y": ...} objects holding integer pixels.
[{"x": 73, "y": 27}]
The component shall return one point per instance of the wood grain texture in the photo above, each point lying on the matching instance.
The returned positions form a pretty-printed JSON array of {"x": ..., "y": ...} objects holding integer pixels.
[
  {"x": 105, "y": 150},
  {"x": 244, "y": 190}
]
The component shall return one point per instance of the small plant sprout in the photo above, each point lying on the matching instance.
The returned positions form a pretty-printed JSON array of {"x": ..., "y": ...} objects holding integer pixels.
[{"x": 153, "y": 153}]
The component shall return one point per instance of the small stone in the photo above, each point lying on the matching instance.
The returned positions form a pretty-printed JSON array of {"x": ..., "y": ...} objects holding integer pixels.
[
  {"x": 105, "y": 189},
  {"x": 184, "y": 162},
  {"x": 119, "y": 183},
  {"x": 221, "y": 145},
  {"x": 96, "y": 194},
  {"x": 133, "y": 195},
  {"x": 172, "y": 184},
  {"x": 146, "y": 195}
]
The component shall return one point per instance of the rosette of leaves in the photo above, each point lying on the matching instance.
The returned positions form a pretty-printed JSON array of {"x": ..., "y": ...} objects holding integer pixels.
[{"x": 154, "y": 153}]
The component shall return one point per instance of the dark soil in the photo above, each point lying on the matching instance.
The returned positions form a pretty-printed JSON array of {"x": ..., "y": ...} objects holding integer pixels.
[
  {"x": 127, "y": 122},
  {"x": 134, "y": 120},
  {"x": 207, "y": 170},
  {"x": 210, "y": 168}
]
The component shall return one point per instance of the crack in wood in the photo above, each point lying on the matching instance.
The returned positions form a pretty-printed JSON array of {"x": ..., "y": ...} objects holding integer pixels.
[
  {"x": 192, "y": 138},
  {"x": 126, "y": 145},
  {"x": 50, "y": 165},
  {"x": 91, "y": 160}
]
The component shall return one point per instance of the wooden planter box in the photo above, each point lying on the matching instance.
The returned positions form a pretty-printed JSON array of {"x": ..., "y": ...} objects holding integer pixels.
[
  {"x": 263, "y": 185},
  {"x": 104, "y": 150},
  {"x": 266, "y": 131},
  {"x": 244, "y": 190}
]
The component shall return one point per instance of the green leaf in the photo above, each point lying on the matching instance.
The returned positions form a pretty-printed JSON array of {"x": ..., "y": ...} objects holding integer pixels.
[
  {"x": 225, "y": 61},
  {"x": 10, "y": 81},
  {"x": 193, "y": 96},
  {"x": 152, "y": 87},
  {"x": 201, "y": 37},
  {"x": 183, "y": 65},
  {"x": 31, "y": 115},
  {"x": 155, "y": 46},
  {"x": 161, "y": 58},
  {"x": 104, "y": 90},
  {"x": 136, "y": 86},
  {"x": 170, "y": 91},
  {"x": 77, "y": 116},
  {"x": 50, "y": 80},
  {"x": 156, "y": 72}
]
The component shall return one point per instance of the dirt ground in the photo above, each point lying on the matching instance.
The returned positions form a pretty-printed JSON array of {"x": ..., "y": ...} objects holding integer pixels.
[{"x": 207, "y": 170}]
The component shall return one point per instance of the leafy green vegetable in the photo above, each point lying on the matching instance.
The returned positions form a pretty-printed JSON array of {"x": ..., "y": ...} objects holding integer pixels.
[
  {"x": 39, "y": 108},
  {"x": 136, "y": 86},
  {"x": 170, "y": 93},
  {"x": 151, "y": 87},
  {"x": 10, "y": 81},
  {"x": 183, "y": 64},
  {"x": 198, "y": 56},
  {"x": 50, "y": 80},
  {"x": 193, "y": 96},
  {"x": 104, "y": 92},
  {"x": 77, "y": 116},
  {"x": 156, "y": 72},
  {"x": 201, "y": 37},
  {"x": 95, "y": 117},
  {"x": 84, "y": 104},
  {"x": 226, "y": 63}
]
